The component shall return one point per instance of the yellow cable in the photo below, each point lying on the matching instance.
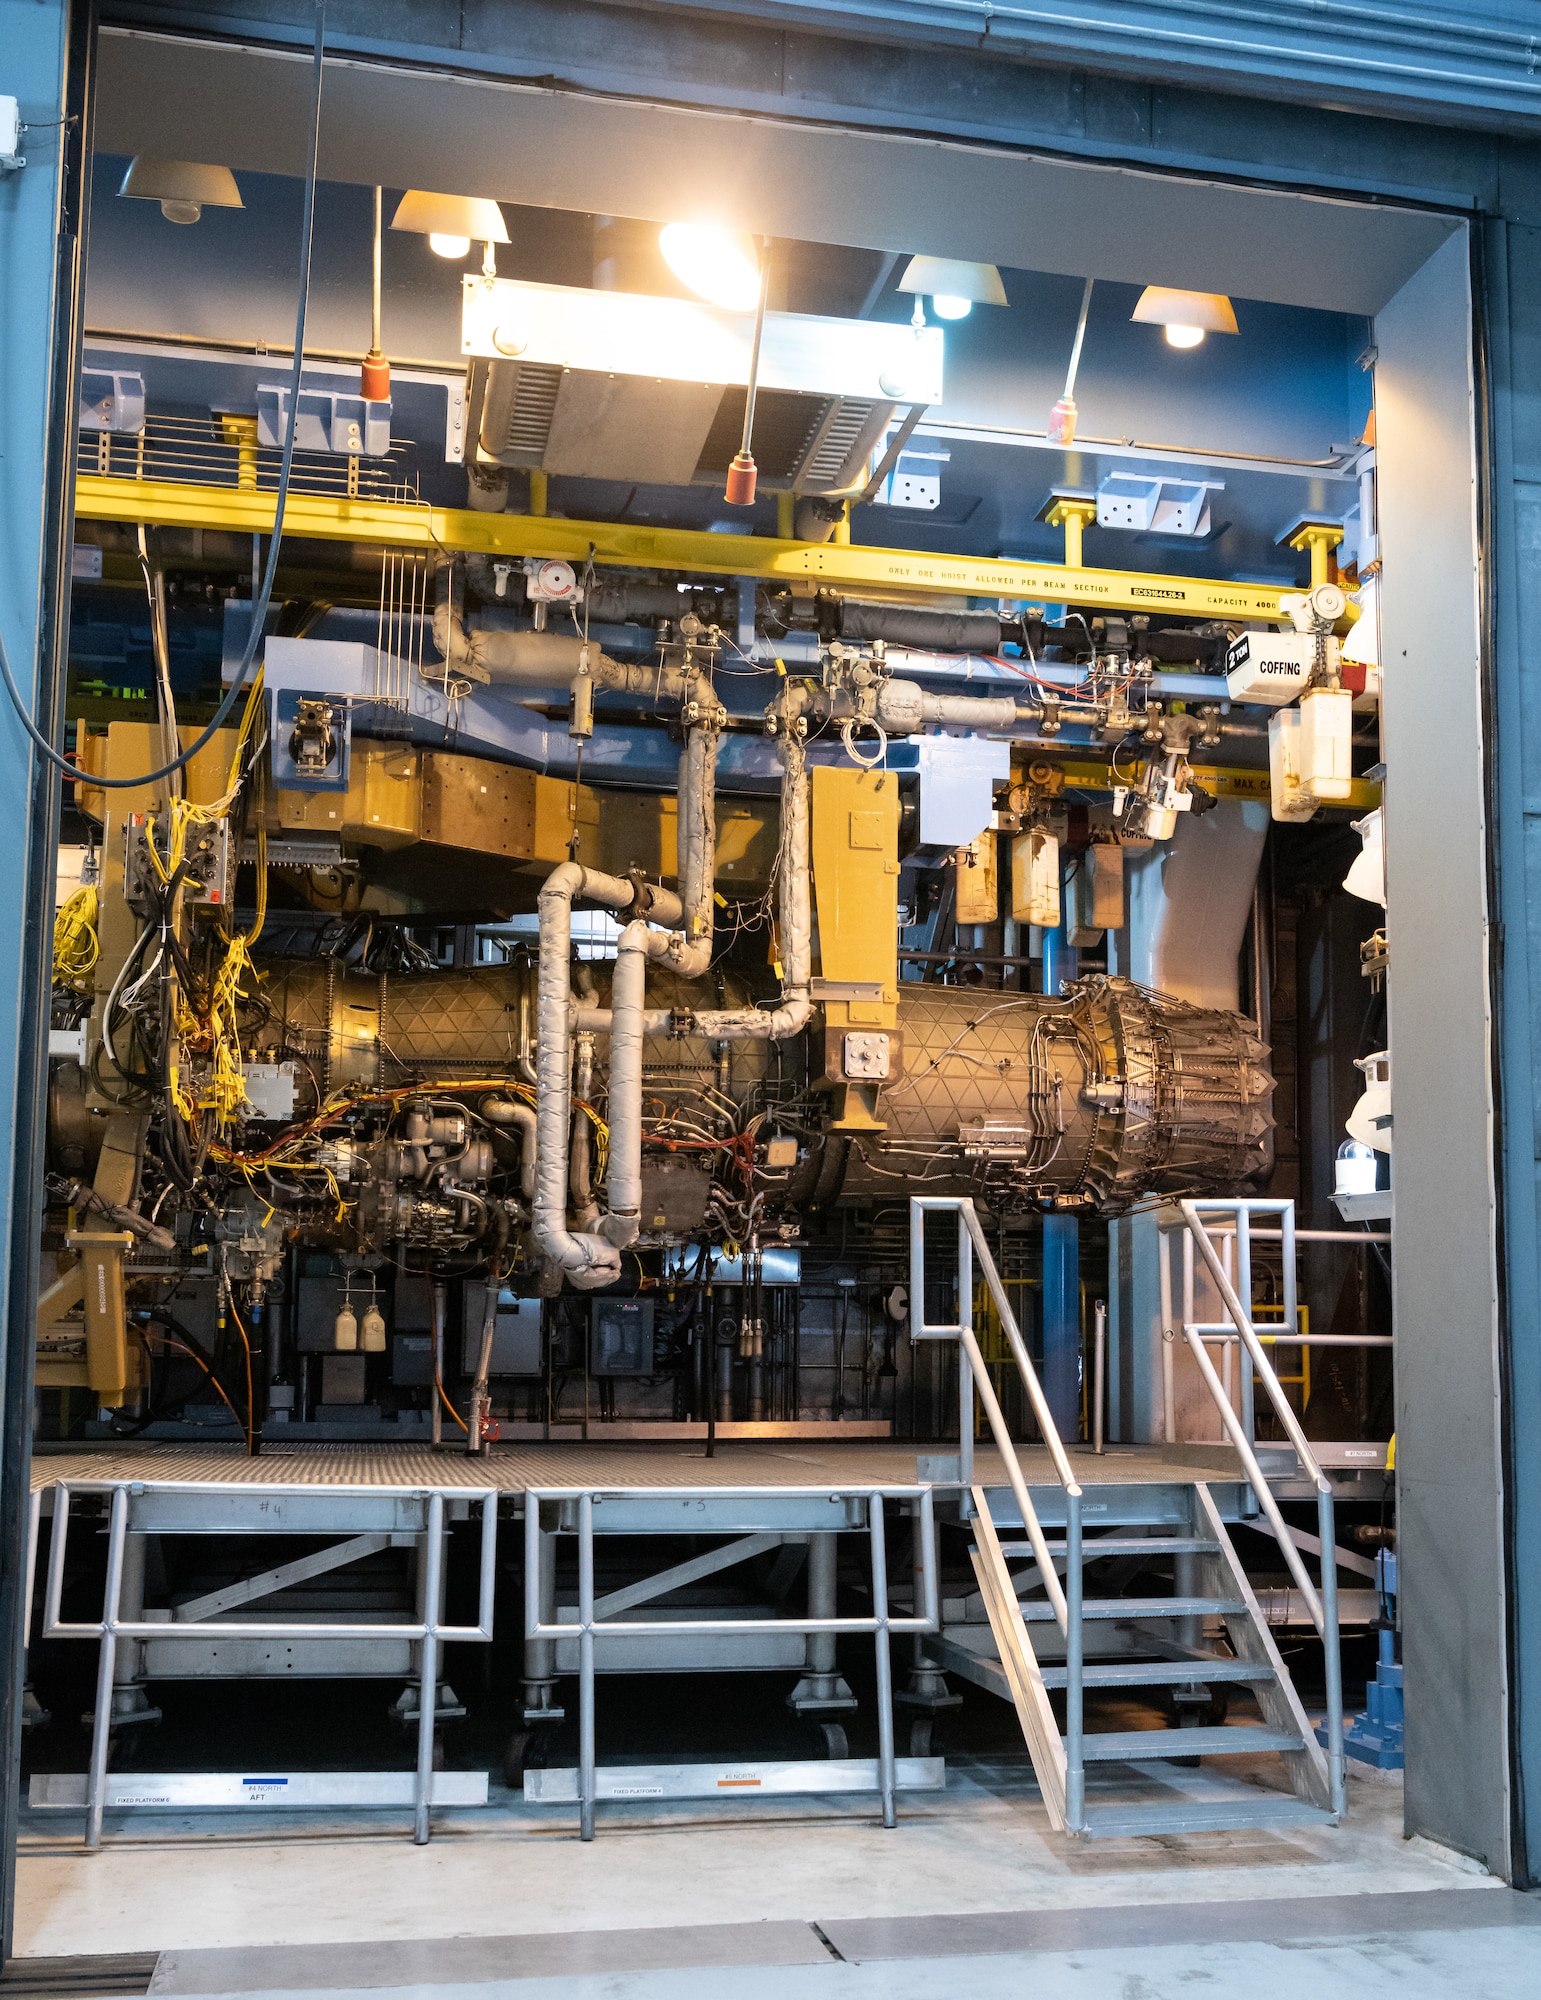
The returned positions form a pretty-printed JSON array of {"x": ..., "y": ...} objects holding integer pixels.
[{"x": 76, "y": 944}]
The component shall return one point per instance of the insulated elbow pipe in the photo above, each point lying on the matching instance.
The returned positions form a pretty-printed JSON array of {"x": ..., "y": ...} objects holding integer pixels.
[
  {"x": 509, "y": 1111},
  {"x": 588, "y": 1260},
  {"x": 689, "y": 949},
  {"x": 751, "y": 1024}
]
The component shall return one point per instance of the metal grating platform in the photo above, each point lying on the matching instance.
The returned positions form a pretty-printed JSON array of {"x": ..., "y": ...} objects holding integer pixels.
[{"x": 518, "y": 1468}]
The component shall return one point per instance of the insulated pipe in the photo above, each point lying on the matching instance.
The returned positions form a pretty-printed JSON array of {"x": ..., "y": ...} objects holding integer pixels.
[
  {"x": 579, "y": 1179},
  {"x": 903, "y": 706},
  {"x": 589, "y": 1260},
  {"x": 750, "y": 1024},
  {"x": 639, "y": 942},
  {"x": 509, "y": 1111},
  {"x": 690, "y": 950},
  {"x": 542, "y": 659}
]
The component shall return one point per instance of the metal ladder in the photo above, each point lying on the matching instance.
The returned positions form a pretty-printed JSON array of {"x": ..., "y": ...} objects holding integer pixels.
[{"x": 1162, "y": 1638}]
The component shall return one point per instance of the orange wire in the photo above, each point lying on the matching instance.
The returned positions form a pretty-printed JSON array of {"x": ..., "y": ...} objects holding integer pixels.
[
  {"x": 251, "y": 1415},
  {"x": 439, "y": 1385},
  {"x": 192, "y": 1355}
]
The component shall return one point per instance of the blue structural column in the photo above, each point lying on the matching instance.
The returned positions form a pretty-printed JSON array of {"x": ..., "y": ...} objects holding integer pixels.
[
  {"x": 1062, "y": 1322},
  {"x": 48, "y": 50},
  {"x": 1061, "y": 960},
  {"x": 1062, "y": 1246}
]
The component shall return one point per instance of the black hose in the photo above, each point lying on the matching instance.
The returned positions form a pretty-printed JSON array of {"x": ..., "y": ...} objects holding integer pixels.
[{"x": 40, "y": 742}]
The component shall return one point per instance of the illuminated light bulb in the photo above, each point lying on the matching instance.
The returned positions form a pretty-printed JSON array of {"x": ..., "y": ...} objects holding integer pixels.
[
  {"x": 1184, "y": 336},
  {"x": 718, "y": 265},
  {"x": 449, "y": 246},
  {"x": 950, "y": 308}
]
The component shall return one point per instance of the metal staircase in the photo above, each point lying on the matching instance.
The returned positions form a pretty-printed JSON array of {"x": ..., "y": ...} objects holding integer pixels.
[{"x": 1204, "y": 1642}]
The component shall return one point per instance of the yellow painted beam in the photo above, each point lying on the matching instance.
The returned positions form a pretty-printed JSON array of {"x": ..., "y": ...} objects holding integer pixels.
[
  {"x": 843, "y": 566},
  {"x": 1226, "y": 782}
]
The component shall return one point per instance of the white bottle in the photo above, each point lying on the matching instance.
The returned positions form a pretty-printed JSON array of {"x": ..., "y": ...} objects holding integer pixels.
[
  {"x": 372, "y": 1330},
  {"x": 345, "y": 1329}
]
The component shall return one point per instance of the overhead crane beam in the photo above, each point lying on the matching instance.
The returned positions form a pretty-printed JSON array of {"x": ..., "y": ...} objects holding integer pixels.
[{"x": 846, "y": 566}]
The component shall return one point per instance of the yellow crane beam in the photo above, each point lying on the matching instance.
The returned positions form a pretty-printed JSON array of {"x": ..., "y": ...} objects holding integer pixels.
[{"x": 843, "y": 566}]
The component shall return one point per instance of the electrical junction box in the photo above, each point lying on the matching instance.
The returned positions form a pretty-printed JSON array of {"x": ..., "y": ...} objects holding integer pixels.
[
  {"x": 411, "y": 1360},
  {"x": 326, "y": 420},
  {"x": 1269, "y": 667},
  {"x": 206, "y": 855},
  {"x": 342, "y": 1378},
  {"x": 270, "y": 1090},
  {"x": 621, "y": 1337},
  {"x": 516, "y": 1333}
]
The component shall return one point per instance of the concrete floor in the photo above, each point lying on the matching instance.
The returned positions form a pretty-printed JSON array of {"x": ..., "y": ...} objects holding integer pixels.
[{"x": 983, "y": 1845}]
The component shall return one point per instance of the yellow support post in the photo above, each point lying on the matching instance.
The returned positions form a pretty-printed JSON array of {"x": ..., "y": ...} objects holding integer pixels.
[
  {"x": 242, "y": 433},
  {"x": 1321, "y": 538},
  {"x": 786, "y": 516},
  {"x": 539, "y": 490},
  {"x": 1072, "y": 512}
]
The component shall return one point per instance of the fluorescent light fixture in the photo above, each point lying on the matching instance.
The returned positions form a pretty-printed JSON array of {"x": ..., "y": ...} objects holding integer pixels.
[
  {"x": 719, "y": 265},
  {"x": 1186, "y": 316},
  {"x": 953, "y": 285},
  {"x": 451, "y": 222},
  {"x": 184, "y": 188}
]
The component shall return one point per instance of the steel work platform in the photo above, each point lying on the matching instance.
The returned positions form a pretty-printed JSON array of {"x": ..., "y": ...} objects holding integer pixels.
[{"x": 516, "y": 1468}]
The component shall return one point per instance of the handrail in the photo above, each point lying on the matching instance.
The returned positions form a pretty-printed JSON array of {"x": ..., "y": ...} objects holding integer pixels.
[
  {"x": 971, "y": 1239},
  {"x": 973, "y": 1375},
  {"x": 589, "y": 1627},
  {"x": 428, "y": 1630},
  {"x": 1241, "y": 1318},
  {"x": 1323, "y": 1607},
  {"x": 1256, "y": 1477}
]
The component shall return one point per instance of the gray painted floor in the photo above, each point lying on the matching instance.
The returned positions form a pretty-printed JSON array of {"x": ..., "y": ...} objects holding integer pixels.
[
  {"x": 1428, "y": 1965},
  {"x": 1482, "y": 1943},
  {"x": 972, "y": 1895}
]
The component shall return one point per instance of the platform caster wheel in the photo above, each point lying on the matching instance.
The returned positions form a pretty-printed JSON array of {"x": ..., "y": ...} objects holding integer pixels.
[
  {"x": 925, "y": 1737},
  {"x": 832, "y": 1739},
  {"x": 528, "y": 1750}
]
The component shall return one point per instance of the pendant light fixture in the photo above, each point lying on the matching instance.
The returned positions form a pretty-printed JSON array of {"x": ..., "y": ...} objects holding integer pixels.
[{"x": 1187, "y": 316}]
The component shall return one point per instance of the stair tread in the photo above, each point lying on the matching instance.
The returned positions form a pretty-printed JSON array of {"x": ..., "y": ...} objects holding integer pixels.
[
  {"x": 1038, "y": 1610},
  {"x": 1161, "y": 1673},
  {"x": 1144, "y": 1746},
  {"x": 1202, "y": 1816}
]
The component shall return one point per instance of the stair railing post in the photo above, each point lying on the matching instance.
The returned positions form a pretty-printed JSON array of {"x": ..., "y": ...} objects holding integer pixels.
[
  {"x": 1331, "y": 1652},
  {"x": 1244, "y": 1293},
  {"x": 1168, "y": 1336},
  {"x": 883, "y": 1655},
  {"x": 965, "y": 1367},
  {"x": 1075, "y": 1765},
  {"x": 587, "y": 1782}
]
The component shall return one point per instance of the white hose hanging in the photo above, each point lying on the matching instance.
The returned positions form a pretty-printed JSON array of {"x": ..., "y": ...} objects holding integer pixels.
[{"x": 848, "y": 738}]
